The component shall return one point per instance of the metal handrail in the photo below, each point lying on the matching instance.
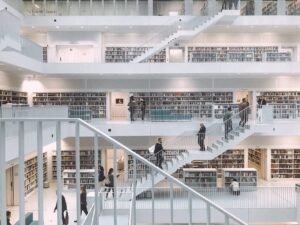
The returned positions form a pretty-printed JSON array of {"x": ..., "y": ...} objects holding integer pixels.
[{"x": 136, "y": 156}]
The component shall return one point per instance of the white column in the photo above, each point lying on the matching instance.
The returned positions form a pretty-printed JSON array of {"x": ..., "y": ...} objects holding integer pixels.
[
  {"x": 268, "y": 164},
  {"x": 258, "y": 7},
  {"x": 212, "y": 7},
  {"x": 281, "y": 7},
  {"x": 2, "y": 173},
  {"x": 188, "y": 7},
  {"x": 21, "y": 173},
  {"x": 40, "y": 172},
  {"x": 77, "y": 157},
  {"x": 150, "y": 7}
]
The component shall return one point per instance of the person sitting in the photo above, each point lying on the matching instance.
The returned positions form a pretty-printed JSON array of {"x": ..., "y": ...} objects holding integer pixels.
[{"x": 235, "y": 187}]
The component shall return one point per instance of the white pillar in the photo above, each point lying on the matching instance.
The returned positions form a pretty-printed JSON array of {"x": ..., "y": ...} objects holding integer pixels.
[
  {"x": 150, "y": 7},
  {"x": 281, "y": 7},
  {"x": 258, "y": 7},
  {"x": 212, "y": 7},
  {"x": 188, "y": 7}
]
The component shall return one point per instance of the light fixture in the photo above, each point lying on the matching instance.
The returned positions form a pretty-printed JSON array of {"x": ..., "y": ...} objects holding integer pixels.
[
  {"x": 178, "y": 26},
  {"x": 36, "y": 6},
  {"x": 57, "y": 27}
]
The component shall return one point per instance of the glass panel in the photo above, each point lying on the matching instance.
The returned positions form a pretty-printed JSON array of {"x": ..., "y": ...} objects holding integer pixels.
[
  {"x": 168, "y": 8},
  {"x": 269, "y": 7},
  {"x": 74, "y": 7},
  {"x": 292, "y": 7},
  {"x": 50, "y": 8},
  {"x": 97, "y": 8},
  {"x": 63, "y": 8},
  {"x": 247, "y": 7},
  {"x": 200, "y": 8}
]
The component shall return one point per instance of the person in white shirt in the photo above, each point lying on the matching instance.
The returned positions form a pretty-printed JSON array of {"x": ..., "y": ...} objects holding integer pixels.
[{"x": 235, "y": 187}]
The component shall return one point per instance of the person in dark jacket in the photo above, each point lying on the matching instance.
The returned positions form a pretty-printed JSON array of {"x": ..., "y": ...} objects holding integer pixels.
[
  {"x": 158, "y": 151},
  {"x": 83, "y": 202},
  {"x": 143, "y": 107},
  {"x": 242, "y": 107},
  {"x": 63, "y": 207},
  {"x": 8, "y": 215},
  {"x": 131, "y": 107},
  {"x": 201, "y": 137}
]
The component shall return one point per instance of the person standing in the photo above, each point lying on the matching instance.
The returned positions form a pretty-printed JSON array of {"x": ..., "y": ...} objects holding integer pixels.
[
  {"x": 63, "y": 208},
  {"x": 131, "y": 107},
  {"x": 158, "y": 151},
  {"x": 247, "y": 110},
  {"x": 235, "y": 187},
  {"x": 227, "y": 122},
  {"x": 201, "y": 136},
  {"x": 242, "y": 107},
  {"x": 83, "y": 202},
  {"x": 143, "y": 107}
]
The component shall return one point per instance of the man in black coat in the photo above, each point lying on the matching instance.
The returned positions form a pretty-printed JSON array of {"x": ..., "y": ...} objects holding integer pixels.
[
  {"x": 201, "y": 136},
  {"x": 158, "y": 150},
  {"x": 63, "y": 208}
]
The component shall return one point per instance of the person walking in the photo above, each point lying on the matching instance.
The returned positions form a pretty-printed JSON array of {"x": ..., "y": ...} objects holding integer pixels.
[
  {"x": 158, "y": 151},
  {"x": 227, "y": 122},
  {"x": 63, "y": 209},
  {"x": 110, "y": 185},
  {"x": 8, "y": 216},
  {"x": 201, "y": 136},
  {"x": 83, "y": 202},
  {"x": 143, "y": 107},
  {"x": 131, "y": 107}
]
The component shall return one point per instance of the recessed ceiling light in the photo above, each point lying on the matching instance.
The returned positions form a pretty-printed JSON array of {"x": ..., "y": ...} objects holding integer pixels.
[
  {"x": 57, "y": 27},
  {"x": 178, "y": 26},
  {"x": 36, "y": 6}
]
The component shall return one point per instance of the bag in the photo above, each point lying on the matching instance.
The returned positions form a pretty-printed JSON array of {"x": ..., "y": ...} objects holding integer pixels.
[
  {"x": 107, "y": 182},
  {"x": 66, "y": 218},
  {"x": 151, "y": 149}
]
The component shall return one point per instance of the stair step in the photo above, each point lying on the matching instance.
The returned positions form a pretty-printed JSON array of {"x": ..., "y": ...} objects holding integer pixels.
[
  {"x": 215, "y": 146},
  {"x": 220, "y": 142}
]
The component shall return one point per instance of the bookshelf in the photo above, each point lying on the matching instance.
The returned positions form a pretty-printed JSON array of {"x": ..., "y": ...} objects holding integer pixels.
[
  {"x": 16, "y": 97},
  {"x": 247, "y": 177},
  {"x": 87, "y": 178},
  {"x": 220, "y": 109},
  {"x": 142, "y": 170},
  {"x": 68, "y": 160},
  {"x": 255, "y": 156},
  {"x": 238, "y": 54},
  {"x": 127, "y": 54},
  {"x": 200, "y": 178},
  {"x": 286, "y": 104},
  {"x": 293, "y": 8},
  {"x": 196, "y": 104},
  {"x": 31, "y": 173},
  {"x": 285, "y": 163},
  {"x": 81, "y": 104}
]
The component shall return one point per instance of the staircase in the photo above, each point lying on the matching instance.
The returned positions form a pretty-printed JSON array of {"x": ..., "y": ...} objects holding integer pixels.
[
  {"x": 219, "y": 146},
  {"x": 185, "y": 34}
]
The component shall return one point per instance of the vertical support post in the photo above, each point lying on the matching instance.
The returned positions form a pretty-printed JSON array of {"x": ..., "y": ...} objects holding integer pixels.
[
  {"x": 152, "y": 193},
  {"x": 258, "y": 7},
  {"x": 226, "y": 220},
  {"x": 208, "y": 214},
  {"x": 171, "y": 203},
  {"x": 56, "y": 8},
  {"x": 150, "y": 7},
  {"x": 21, "y": 173},
  {"x": 40, "y": 172},
  {"x": 134, "y": 191},
  {"x": 58, "y": 172},
  {"x": 96, "y": 161},
  {"x": 188, "y": 7},
  {"x": 115, "y": 185},
  {"x": 281, "y": 7},
  {"x": 2, "y": 173},
  {"x": 190, "y": 208},
  {"x": 77, "y": 159},
  {"x": 212, "y": 4}
]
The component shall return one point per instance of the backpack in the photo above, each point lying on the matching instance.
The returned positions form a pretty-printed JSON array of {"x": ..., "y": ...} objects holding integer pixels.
[{"x": 101, "y": 175}]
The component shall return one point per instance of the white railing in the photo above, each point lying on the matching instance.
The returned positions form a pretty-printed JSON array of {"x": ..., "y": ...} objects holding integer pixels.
[
  {"x": 10, "y": 26},
  {"x": 76, "y": 126},
  {"x": 31, "y": 49}
]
